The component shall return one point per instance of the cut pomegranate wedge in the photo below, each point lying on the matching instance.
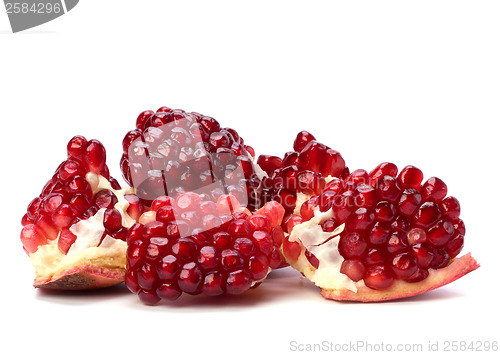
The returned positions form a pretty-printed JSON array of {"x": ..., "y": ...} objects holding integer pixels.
[
  {"x": 379, "y": 236},
  {"x": 194, "y": 245},
  {"x": 74, "y": 232},
  {"x": 302, "y": 173},
  {"x": 173, "y": 151}
]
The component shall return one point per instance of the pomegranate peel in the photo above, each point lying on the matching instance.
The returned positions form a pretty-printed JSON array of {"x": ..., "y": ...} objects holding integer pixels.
[{"x": 456, "y": 269}]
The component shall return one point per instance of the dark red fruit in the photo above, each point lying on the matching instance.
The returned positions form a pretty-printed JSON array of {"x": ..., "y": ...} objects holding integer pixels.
[{"x": 229, "y": 258}]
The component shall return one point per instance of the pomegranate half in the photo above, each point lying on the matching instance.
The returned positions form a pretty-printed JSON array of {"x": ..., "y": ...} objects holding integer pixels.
[
  {"x": 379, "y": 236},
  {"x": 74, "y": 232}
]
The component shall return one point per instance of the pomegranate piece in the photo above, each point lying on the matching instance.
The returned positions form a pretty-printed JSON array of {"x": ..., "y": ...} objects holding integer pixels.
[
  {"x": 74, "y": 230},
  {"x": 172, "y": 151},
  {"x": 230, "y": 257},
  {"x": 401, "y": 240}
]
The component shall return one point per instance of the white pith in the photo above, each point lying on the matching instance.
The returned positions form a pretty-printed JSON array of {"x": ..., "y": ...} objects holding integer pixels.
[{"x": 49, "y": 261}]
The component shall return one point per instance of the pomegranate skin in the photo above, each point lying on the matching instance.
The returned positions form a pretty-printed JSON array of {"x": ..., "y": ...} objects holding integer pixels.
[
  {"x": 437, "y": 278},
  {"x": 84, "y": 277}
]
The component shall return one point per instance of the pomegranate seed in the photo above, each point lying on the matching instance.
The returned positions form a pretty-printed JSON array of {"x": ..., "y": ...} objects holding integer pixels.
[
  {"x": 291, "y": 250},
  {"x": 440, "y": 233},
  {"x": 409, "y": 202},
  {"x": 434, "y": 189},
  {"x": 269, "y": 163},
  {"x": 424, "y": 255},
  {"x": 310, "y": 182},
  {"x": 238, "y": 282},
  {"x": 419, "y": 275},
  {"x": 404, "y": 265},
  {"x": 354, "y": 269},
  {"x": 416, "y": 236},
  {"x": 258, "y": 266},
  {"x": 441, "y": 258},
  {"x": 411, "y": 177},
  {"x": 381, "y": 170},
  {"x": 76, "y": 147},
  {"x": 313, "y": 260},
  {"x": 388, "y": 188},
  {"x": 450, "y": 208},
  {"x": 112, "y": 220},
  {"x": 213, "y": 284},
  {"x": 343, "y": 204},
  {"x": 190, "y": 278},
  {"x": 64, "y": 216},
  {"x": 302, "y": 139},
  {"x": 397, "y": 243},
  {"x": 65, "y": 241},
  {"x": 455, "y": 245},
  {"x": 352, "y": 246},
  {"x": 328, "y": 225},
  {"x": 378, "y": 277},
  {"x": 168, "y": 291},
  {"x": 360, "y": 220},
  {"x": 379, "y": 234},
  {"x": 427, "y": 214},
  {"x": 32, "y": 238},
  {"x": 374, "y": 257},
  {"x": 95, "y": 156},
  {"x": 307, "y": 208},
  {"x": 385, "y": 212},
  {"x": 365, "y": 196},
  {"x": 105, "y": 199}
]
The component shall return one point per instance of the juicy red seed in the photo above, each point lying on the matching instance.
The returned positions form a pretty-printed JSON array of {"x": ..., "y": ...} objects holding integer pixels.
[
  {"x": 244, "y": 246},
  {"x": 397, "y": 243},
  {"x": 352, "y": 246},
  {"x": 95, "y": 156},
  {"x": 291, "y": 250},
  {"x": 157, "y": 247},
  {"x": 260, "y": 222},
  {"x": 333, "y": 164},
  {"x": 374, "y": 257},
  {"x": 76, "y": 147},
  {"x": 358, "y": 176},
  {"x": 135, "y": 232},
  {"x": 409, "y": 201},
  {"x": 146, "y": 276},
  {"x": 105, "y": 199},
  {"x": 441, "y": 258},
  {"x": 286, "y": 198},
  {"x": 188, "y": 201},
  {"x": 52, "y": 202},
  {"x": 365, "y": 196},
  {"x": 69, "y": 169},
  {"x": 343, "y": 205},
  {"x": 32, "y": 237},
  {"x": 419, "y": 275},
  {"x": 410, "y": 177},
  {"x": 402, "y": 224},
  {"x": 307, "y": 208},
  {"x": 426, "y": 215},
  {"x": 328, "y": 225},
  {"x": 424, "y": 255},
  {"x": 258, "y": 266},
  {"x": 291, "y": 158},
  {"x": 378, "y": 277},
  {"x": 78, "y": 184},
  {"x": 63, "y": 217},
  {"x": 381, "y": 170},
  {"x": 416, "y": 236},
  {"x": 240, "y": 228},
  {"x": 148, "y": 297},
  {"x": 91, "y": 211},
  {"x": 269, "y": 163},
  {"x": 263, "y": 241},
  {"x": 455, "y": 245},
  {"x": 135, "y": 208},
  {"x": 275, "y": 258},
  {"x": 154, "y": 229},
  {"x": 360, "y": 220},
  {"x": 162, "y": 201},
  {"x": 459, "y": 227},
  {"x": 168, "y": 291},
  {"x": 354, "y": 269},
  {"x": 208, "y": 257},
  {"x": 440, "y": 233},
  {"x": 190, "y": 278},
  {"x": 168, "y": 268},
  {"x": 112, "y": 220},
  {"x": 238, "y": 282},
  {"x": 289, "y": 177},
  {"x": 385, "y": 212},
  {"x": 434, "y": 189},
  {"x": 184, "y": 248},
  {"x": 379, "y": 234},
  {"x": 302, "y": 139},
  {"x": 450, "y": 208},
  {"x": 388, "y": 188},
  {"x": 310, "y": 182},
  {"x": 222, "y": 240},
  {"x": 213, "y": 284},
  {"x": 80, "y": 203},
  {"x": 165, "y": 214},
  {"x": 334, "y": 185},
  {"x": 404, "y": 265},
  {"x": 231, "y": 259},
  {"x": 33, "y": 207},
  {"x": 325, "y": 201},
  {"x": 143, "y": 118},
  {"x": 135, "y": 252},
  {"x": 313, "y": 260}
]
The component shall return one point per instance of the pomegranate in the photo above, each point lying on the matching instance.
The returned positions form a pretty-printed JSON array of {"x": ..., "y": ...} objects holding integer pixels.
[
  {"x": 74, "y": 232},
  {"x": 301, "y": 174},
  {"x": 173, "y": 151},
  {"x": 379, "y": 236},
  {"x": 194, "y": 245}
]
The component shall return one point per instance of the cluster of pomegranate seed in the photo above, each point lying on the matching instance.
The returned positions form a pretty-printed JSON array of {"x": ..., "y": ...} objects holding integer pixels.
[
  {"x": 302, "y": 170},
  {"x": 172, "y": 151},
  {"x": 395, "y": 227},
  {"x": 69, "y": 197},
  {"x": 194, "y": 245}
]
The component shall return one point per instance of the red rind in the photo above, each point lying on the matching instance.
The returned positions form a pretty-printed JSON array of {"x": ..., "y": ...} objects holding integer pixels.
[
  {"x": 440, "y": 277},
  {"x": 83, "y": 277}
]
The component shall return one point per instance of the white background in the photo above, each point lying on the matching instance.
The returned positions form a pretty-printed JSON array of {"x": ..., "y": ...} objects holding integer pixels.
[{"x": 408, "y": 82}]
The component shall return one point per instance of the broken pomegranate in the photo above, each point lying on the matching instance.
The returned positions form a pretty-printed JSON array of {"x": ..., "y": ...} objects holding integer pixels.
[
  {"x": 74, "y": 232},
  {"x": 195, "y": 245},
  {"x": 379, "y": 236},
  {"x": 172, "y": 151},
  {"x": 302, "y": 173}
]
